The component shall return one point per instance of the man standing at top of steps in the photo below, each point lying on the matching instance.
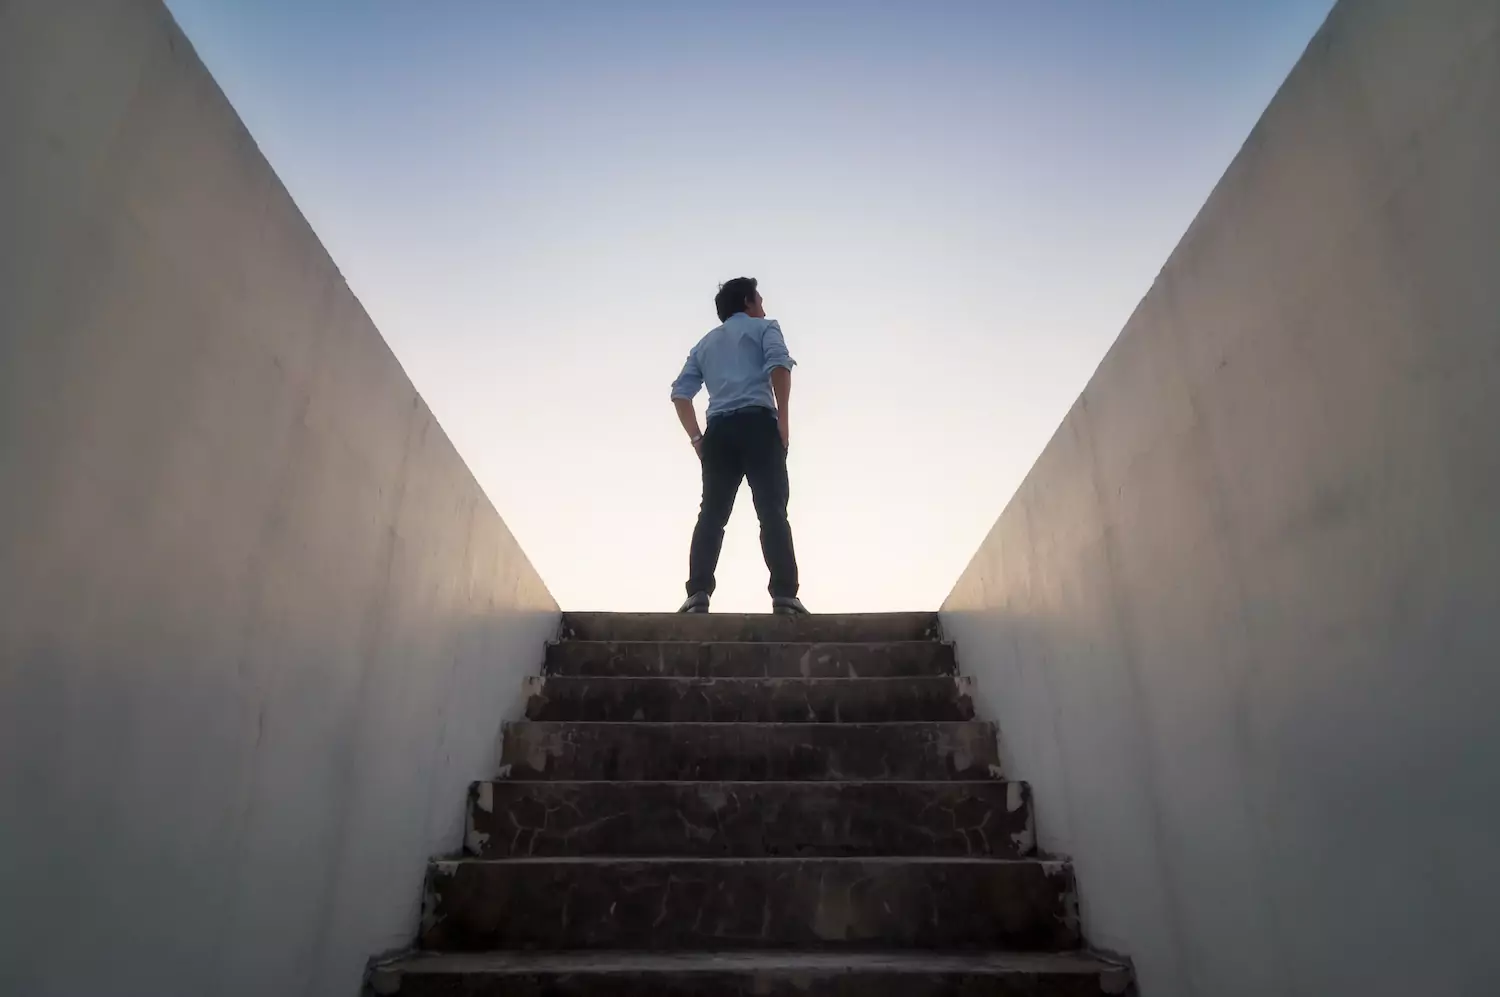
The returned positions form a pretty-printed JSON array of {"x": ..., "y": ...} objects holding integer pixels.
[{"x": 748, "y": 371}]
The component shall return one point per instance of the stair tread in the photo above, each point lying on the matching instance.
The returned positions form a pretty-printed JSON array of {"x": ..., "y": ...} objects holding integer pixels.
[
  {"x": 664, "y": 699},
  {"x": 755, "y": 646},
  {"x": 775, "y": 903},
  {"x": 811, "y": 785},
  {"x": 720, "y": 725},
  {"x": 507, "y": 962},
  {"x": 850, "y": 618},
  {"x": 637, "y": 642},
  {"x": 746, "y": 817},
  {"x": 696, "y": 628},
  {"x": 750, "y": 680},
  {"x": 699, "y": 750},
  {"x": 787, "y": 860},
  {"x": 534, "y": 818},
  {"x": 753, "y": 659}
]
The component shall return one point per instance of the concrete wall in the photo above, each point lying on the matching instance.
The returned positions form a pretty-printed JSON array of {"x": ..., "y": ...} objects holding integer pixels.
[
  {"x": 259, "y": 626},
  {"x": 1241, "y": 624}
]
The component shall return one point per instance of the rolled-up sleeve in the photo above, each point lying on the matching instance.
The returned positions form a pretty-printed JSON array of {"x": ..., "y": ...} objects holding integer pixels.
[
  {"x": 690, "y": 381},
  {"x": 774, "y": 346}
]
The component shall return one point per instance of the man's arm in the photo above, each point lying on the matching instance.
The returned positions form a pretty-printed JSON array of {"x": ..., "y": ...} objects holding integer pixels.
[
  {"x": 688, "y": 416},
  {"x": 781, "y": 386},
  {"x": 779, "y": 364},
  {"x": 687, "y": 385}
]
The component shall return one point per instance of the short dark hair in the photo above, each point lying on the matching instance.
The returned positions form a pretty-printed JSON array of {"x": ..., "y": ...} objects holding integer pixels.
[{"x": 734, "y": 295}]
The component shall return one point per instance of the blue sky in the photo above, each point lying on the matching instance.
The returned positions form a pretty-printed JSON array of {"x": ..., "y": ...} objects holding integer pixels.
[{"x": 952, "y": 207}]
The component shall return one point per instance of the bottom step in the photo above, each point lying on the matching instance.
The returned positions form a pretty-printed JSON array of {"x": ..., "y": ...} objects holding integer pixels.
[{"x": 765, "y": 974}]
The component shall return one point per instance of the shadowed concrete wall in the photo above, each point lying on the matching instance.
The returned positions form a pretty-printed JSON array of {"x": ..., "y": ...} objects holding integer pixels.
[
  {"x": 259, "y": 626},
  {"x": 1241, "y": 623}
]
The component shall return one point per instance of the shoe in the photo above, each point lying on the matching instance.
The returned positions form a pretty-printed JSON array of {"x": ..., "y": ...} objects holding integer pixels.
[
  {"x": 788, "y": 605},
  {"x": 696, "y": 603}
]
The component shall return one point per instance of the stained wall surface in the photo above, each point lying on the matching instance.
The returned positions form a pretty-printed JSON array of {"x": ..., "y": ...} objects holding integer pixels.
[
  {"x": 1241, "y": 624},
  {"x": 259, "y": 626}
]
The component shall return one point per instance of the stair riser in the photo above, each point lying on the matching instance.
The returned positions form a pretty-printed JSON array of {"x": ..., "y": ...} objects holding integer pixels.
[
  {"x": 749, "y": 700},
  {"x": 473, "y": 906},
  {"x": 764, "y": 660},
  {"x": 732, "y": 627},
  {"x": 827, "y": 983},
  {"x": 734, "y": 752},
  {"x": 750, "y": 820}
]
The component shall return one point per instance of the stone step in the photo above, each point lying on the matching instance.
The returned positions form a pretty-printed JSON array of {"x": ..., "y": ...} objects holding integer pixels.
[
  {"x": 752, "y": 974},
  {"x": 677, "y": 903},
  {"x": 720, "y": 700},
  {"x": 990, "y": 819},
  {"x": 858, "y": 627},
  {"x": 741, "y": 659},
  {"x": 914, "y": 751}
]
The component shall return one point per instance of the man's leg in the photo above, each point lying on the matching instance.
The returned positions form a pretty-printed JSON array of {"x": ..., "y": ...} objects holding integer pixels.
[
  {"x": 765, "y": 466},
  {"x": 722, "y": 474}
]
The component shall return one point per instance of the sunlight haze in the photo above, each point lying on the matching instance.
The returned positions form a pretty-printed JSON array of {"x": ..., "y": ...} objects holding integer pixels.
[{"x": 952, "y": 209}]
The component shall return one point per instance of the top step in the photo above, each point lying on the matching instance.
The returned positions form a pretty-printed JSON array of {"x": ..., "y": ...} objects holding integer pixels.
[{"x": 707, "y": 627}]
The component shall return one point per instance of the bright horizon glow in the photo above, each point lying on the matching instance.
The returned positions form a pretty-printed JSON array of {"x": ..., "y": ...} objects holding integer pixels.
[{"x": 952, "y": 209}]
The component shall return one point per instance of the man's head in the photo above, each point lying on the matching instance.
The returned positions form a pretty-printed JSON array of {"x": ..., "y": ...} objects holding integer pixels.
[{"x": 739, "y": 295}]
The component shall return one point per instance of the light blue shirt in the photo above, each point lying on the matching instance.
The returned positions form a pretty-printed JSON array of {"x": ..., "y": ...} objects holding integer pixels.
[{"x": 735, "y": 362}]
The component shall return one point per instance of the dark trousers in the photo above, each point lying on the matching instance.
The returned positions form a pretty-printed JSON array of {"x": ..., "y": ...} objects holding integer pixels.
[{"x": 737, "y": 446}]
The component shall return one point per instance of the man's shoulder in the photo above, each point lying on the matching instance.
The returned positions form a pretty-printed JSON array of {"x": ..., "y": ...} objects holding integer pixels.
[
  {"x": 708, "y": 337},
  {"x": 756, "y": 325},
  {"x": 737, "y": 325}
]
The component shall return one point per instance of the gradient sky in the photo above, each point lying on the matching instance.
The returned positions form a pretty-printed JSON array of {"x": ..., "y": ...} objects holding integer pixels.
[{"x": 952, "y": 207}]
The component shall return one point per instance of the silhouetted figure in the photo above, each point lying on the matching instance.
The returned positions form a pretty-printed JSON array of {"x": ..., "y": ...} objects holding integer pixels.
[{"x": 748, "y": 372}]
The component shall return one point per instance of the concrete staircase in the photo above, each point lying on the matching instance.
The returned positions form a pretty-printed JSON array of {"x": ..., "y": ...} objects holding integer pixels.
[{"x": 750, "y": 805}]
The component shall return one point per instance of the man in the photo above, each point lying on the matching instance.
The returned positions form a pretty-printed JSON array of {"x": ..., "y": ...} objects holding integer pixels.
[{"x": 748, "y": 371}]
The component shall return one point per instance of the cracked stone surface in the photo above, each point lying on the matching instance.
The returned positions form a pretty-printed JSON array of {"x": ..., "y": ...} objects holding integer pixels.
[
  {"x": 873, "y": 627},
  {"x": 763, "y": 974},
  {"x": 738, "y": 805},
  {"x": 653, "y": 904},
  {"x": 765, "y": 659},
  {"x": 746, "y": 700},
  {"x": 732, "y": 752},
  {"x": 750, "y": 819}
]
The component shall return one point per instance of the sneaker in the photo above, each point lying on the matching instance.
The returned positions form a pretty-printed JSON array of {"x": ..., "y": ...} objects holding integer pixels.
[
  {"x": 788, "y": 605},
  {"x": 696, "y": 603}
]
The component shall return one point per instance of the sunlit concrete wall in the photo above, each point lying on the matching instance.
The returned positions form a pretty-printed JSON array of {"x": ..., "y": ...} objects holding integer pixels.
[
  {"x": 1241, "y": 624},
  {"x": 259, "y": 626}
]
